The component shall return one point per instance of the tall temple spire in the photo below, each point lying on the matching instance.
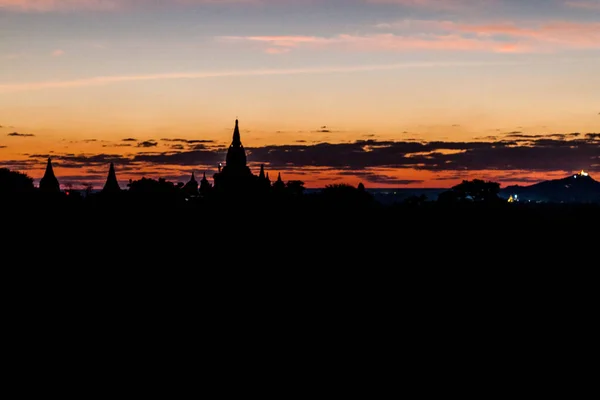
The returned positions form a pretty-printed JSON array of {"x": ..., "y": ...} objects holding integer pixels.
[
  {"x": 262, "y": 172},
  {"x": 49, "y": 183},
  {"x": 111, "y": 185},
  {"x": 236, "y": 174},
  {"x": 236, "y": 155},
  {"x": 237, "y": 141}
]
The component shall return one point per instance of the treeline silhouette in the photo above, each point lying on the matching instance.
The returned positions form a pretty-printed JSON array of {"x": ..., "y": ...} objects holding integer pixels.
[{"x": 473, "y": 202}]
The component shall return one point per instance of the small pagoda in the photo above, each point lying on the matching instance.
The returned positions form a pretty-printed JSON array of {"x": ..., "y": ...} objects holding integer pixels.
[
  {"x": 111, "y": 185},
  {"x": 49, "y": 183}
]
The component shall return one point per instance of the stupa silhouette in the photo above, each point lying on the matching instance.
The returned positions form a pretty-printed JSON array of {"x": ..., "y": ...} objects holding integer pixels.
[
  {"x": 191, "y": 187},
  {"x": 111, "y": 185},
  {"x": 49, "y": 183},
  {"x": 235, "y": 175}
]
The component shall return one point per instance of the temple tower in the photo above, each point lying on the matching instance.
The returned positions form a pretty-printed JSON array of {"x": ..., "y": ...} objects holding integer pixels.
[
  {"x": 191, "y": 187},
  {"x": 279, "y": 182},
  {"x": 49, "y": 183},
  {"x": 111, "y": 185},
  {"x": 236, "y": 154},
  {"x": 205, "y": 185},
  {"x": 235, "y": 175},
  {"x": 263, "y": 179}
]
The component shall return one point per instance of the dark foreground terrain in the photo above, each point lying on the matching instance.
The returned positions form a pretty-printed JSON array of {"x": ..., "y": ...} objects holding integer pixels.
[
  {"x": 428, "y": 278},
  {"x": 300, "y": 232}
]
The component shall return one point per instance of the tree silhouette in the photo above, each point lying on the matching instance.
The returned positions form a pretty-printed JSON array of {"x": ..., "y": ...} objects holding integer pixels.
[
  {"x": 149, "y": 186},
  {"x": 477, "y": 190},
  {"x": 295, "y": 188},
  {"x": 343, "y": 194},
  {"x": 448, "y": 197},
  {"x": 13, "y": 182}
]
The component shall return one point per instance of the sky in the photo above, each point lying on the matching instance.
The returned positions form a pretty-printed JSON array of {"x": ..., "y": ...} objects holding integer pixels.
[{"x": 390, "y": 93}]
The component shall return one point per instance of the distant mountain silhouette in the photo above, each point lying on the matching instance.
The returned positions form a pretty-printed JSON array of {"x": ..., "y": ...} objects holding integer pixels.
[{"x": 578, "y": 188}]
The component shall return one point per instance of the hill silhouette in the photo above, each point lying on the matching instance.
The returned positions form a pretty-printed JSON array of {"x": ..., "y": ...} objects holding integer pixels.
[{"x": 579, "y": 188}]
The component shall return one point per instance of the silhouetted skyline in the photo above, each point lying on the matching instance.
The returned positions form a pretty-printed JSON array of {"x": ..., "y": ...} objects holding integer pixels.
[
  {"x": 513, "y": 156},
  {"x": 396, "y": 93},
  {"x": 235, "y": 174}
]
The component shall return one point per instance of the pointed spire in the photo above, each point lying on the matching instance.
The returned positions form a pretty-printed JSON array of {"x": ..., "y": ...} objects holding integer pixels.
[
  {"x": 236, "y": 155},
  {"x": 262, "y": 172},
  {"x": 49, "y": 183},
  {"x": 205, "y": 185},
  {"x": 237, "y": 141},
  {"x": 111, "y": 185},
  {"x": 49, "y": 169},
  {"x": 191, "y": 187},
  {"x": 279, "y": 183}
]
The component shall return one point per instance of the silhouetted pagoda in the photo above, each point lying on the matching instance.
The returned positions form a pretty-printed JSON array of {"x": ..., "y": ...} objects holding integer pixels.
[
  {"x": 191, "y": 187},
  {"x": 49, "y": 183},
  {"x": 111, "y": 185},
  {"x": 236, "y": 176},
  {"x": 279, "y": 185},
  {"x": 263, "y": 179},
  {"x": 205, "y": 186}
]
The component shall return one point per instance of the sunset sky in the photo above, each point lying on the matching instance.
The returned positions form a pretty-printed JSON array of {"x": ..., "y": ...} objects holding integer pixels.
[{"x": 391, "y": 93}]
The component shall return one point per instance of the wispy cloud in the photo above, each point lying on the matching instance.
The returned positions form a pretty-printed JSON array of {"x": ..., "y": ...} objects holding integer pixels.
[
  {"x": 584, "y": 4},
  {"x": 104, "y": 80},
  {"x": 380, "y": 42},
  {"x": 17, "y": 134},
  {"x": 147, "y": 143},
  {"x": 437, "y": 4},
  {"x": 103, "y": 5},
  {"x": 277, "y": 50},
  {"x": 445, "y": 35},
  {"x": 54, "y": 5}
]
